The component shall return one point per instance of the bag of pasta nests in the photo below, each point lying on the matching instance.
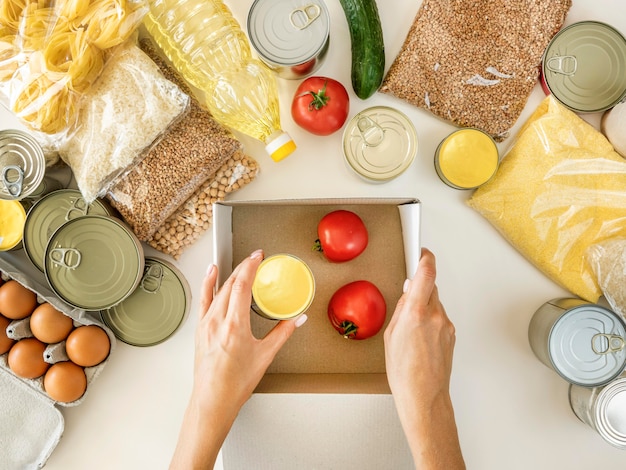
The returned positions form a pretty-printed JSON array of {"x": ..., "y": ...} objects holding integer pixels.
[{"x": 51, "y": 52}]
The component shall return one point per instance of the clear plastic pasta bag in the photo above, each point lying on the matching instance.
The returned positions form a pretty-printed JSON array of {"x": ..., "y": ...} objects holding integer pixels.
[
  {"x": 608, "y": 261},
  {"x": 51, "y": 52},
  {"x": 558, "y": 190}
]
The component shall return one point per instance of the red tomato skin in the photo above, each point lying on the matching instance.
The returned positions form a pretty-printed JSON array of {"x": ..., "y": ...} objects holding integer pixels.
[
  {"x": 331, "y": 116},
  {"x": 342, "y": 236},
  {"x": 361, "y": 304}
]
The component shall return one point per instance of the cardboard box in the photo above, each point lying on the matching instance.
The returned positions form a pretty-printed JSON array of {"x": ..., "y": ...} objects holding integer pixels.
[
  {"x": 32, "y": 423},
  {"x": 319, "y": 374}
]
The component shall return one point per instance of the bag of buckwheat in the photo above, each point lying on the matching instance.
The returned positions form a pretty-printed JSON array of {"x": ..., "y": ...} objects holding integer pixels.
[
  {"x": 475, "y": 62},
  {"x": 194, "y": 217},
  {"x": 191, "y": 152}
]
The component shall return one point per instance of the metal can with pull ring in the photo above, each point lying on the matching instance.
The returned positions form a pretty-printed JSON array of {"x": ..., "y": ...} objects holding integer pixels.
[
  {"x": 583, "y": 342},
  {"x": 290, "y": 36},
  {"x": 379, "y": 143},
  {"x": 22, "y": 165}
]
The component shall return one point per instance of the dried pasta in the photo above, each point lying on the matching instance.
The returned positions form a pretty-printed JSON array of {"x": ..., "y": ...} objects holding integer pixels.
[{"x": 47, "y": 45}]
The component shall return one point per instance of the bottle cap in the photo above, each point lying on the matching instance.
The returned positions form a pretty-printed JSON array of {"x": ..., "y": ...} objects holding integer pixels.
[{"x": 280, "y": 147}]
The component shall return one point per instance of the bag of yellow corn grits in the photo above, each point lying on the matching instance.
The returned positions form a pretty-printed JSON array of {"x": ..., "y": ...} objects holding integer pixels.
[{"x": 560, "y": 189}]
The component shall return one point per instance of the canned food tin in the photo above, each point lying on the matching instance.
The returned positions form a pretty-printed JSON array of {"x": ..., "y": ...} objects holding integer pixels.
[
  {"x": 584, "y": 66},
  {"x": 283, "y": 288},
  {"x": 583, "y": 342},
  {"x": 93, "y": 262},
  {"x": 290, "y": 36},
  {"x": 155, "y": 310},
  {"x": 466, "y": 159},
  {"x": 22, "y": 164},
  {"x": 602, "y": 408},
  {"x": 12, "y": 219},
  {"x": 379, "y": 143},
  {"x": 49, "y": 213}
]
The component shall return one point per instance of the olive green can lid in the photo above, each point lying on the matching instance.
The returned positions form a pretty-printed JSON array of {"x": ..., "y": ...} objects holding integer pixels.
[
  {"x": 22, "y": 164},
  {"x": 584, "y": 66},
  {"x": 379, "y": 143},
  {"x": 93, "y": 262},
  {"x": 49, "y": 213},
  {"x": 155, "y": 310}
]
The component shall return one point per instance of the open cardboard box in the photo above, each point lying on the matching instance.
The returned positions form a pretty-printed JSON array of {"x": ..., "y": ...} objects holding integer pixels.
[
  {"x": 320, "y": 385},
  {"x": 32, "y": 423}
]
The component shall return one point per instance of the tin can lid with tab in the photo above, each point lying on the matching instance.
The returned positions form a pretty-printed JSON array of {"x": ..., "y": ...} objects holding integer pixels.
[
  {"x": 610, "y": 413},
  {"x": 584, "y": 66},
  {"x": 155, "y": 310},
  {"x": 587, "y": 345},
  {"x": 93, "y": 262},
  {"x": 288, "y": 32},
  {"x": 49, "y": 213},
  {"x": 22, "y": 164},
  {"x": 379, "y": 143}
]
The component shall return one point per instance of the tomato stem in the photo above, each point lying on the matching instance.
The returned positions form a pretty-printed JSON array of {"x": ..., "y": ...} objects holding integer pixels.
[
  {"x": 317, "y": 246},
  {"x": 320, "y": 99},
  {"x": 348, "y": 329}
]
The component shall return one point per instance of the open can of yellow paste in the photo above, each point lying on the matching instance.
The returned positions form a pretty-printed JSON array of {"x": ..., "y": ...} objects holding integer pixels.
[
  {"x": 283, "y": 288},
  {"x": 466, "y": 159},
  {"x": 12, "y": 219}
]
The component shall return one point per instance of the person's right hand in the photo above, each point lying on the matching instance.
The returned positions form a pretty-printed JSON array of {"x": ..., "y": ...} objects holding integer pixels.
[{"x": 419, "y": 344}]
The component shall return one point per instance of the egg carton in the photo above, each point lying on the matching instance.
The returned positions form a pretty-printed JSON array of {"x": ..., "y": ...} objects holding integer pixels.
[{"x": 32, "y": 423}]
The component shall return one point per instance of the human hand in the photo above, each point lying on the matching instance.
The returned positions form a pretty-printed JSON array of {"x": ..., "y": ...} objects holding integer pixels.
[
  {"x": 419, "y": 344},
  {"x": 229, "y": 363}
]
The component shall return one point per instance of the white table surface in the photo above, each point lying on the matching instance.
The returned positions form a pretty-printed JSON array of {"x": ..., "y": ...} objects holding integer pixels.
[{"x": 512, "y": 411}]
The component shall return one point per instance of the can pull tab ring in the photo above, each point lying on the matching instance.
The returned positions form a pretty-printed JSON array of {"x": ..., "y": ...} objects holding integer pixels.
[
  {"x": 603, "y": 343},
  {"x": 565, "y": 65},
  {"x": 302, "y": 17},
  {"x": 66, "y": 257},
  {"x": 13, "y": 178},
  {"x": 151, "y": 280},
  {"x": 79, "y": 206},
  {"x": 371, "y": 132}
]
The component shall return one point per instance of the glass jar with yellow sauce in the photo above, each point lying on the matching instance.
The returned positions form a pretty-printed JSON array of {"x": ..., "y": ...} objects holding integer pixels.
[
  {"x": 283, "y": 288},
  {"x": 466, "y": 159},
  {"x": 12, "y": 220}
]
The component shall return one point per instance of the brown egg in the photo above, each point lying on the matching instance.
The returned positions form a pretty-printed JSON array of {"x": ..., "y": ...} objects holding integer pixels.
[
  {"x": 65, "y": 382},
  {"x": 5, "y": 341},
  {"x": 49, "y": 324},
  {"x": 16, "y": 301},
  {"x": 26, "y": 358},
  {"x": 87, "y": 345}
]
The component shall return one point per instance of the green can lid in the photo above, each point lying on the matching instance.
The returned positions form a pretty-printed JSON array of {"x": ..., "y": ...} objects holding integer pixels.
[
  {"x": 22, "y": 164},
  {"x": 93, "y": 262},
  {"x": 155, "y": 310},
  {"x": 379, "y": 143},
  {"x": 584, "y": 66},
  {"x": 49, "y": 213}
]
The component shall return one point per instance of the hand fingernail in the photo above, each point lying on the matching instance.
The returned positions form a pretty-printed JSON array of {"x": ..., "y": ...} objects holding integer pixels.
[
  {"x": 301, "y": 320},
  {"x": 405, "y": 286},
  {"x": 258, "y": 254},
  {"x": 210, "y": 269}
]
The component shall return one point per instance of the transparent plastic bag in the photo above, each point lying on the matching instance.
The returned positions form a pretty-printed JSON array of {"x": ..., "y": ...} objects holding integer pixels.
[
  {"x": 608, "y": 262},
  {"x": 559, "y": 190},
  {"x": 191, "y": 151},
  {"x": 474, "y": 63},
  {"x": 51, "y": 52},
  {"x": 195, "y": 216},
  {"x": 124, "y": 113}
]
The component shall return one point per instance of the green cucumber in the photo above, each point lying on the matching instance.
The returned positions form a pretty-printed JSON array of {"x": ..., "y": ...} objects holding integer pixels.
[{"x": 368, "y": 51}]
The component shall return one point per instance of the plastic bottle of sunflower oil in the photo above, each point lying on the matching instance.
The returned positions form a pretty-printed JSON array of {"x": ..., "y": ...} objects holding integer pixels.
[{"x": 207, "y": 46}]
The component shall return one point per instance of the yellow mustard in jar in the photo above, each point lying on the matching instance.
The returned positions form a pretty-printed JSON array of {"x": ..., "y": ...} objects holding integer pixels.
[
  {"x": 466, "y": 159},
  {"x": 283, "y": 288},
  {"x": 12, "y": 219}
]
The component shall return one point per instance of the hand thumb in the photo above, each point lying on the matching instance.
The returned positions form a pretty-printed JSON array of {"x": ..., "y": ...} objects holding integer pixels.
[{"x": 279, "y": 335}]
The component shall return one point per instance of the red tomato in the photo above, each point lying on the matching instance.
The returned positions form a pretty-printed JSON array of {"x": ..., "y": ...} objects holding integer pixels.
[
  {"x": 320, "y": 105},
  {"x": 342, "y": 236},
  {"x": 357, "y": 310}
]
